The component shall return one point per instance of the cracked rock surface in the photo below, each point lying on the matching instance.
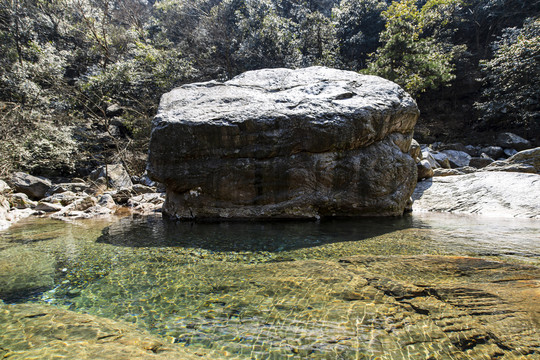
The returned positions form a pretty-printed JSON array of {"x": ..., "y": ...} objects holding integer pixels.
[{"x": 280, "y": 143}]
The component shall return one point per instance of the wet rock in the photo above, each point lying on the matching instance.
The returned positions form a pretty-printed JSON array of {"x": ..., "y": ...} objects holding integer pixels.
[
  {"x": 512, "y": 141},
  {"x": 424, "y": 170},
  {"x": 285, "y": 143},
  {"x": 501, "y": 194},
  {"x": 45, "y": 332},
  {"x": 457, "y": 158},
  {"x": 115, "y": 173},
  {"x": 24, "y": 272},
  {"x": 33, "y": 186}
]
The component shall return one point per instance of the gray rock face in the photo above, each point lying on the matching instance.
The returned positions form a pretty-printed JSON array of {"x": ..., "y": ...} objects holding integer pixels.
[
  {"x": 457, "y": 158},
  {"x": 509, "y": 140},
  {"x": 33, "y": 186},
  {"x": 527, "y": 161},
  {"x": 497, "y": 194},
  {"x": 285, "y": 143},
  {"x": 118, "y": 176}
]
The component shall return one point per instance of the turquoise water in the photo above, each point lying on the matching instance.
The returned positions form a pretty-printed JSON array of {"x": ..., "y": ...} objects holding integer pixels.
[{"x": 263, "y": 289}]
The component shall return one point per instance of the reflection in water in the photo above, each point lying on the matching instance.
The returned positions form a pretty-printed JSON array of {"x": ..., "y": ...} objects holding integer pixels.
[{"x": 355, "y": 288}]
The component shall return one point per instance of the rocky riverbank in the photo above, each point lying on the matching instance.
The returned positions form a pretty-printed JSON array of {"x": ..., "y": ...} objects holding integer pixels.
[
  {"x": 108, "y": 191},
  {"x": 501, "y": 180}
]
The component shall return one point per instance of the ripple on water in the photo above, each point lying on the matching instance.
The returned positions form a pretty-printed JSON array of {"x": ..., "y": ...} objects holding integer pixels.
[{"x": 404, "y": 288}]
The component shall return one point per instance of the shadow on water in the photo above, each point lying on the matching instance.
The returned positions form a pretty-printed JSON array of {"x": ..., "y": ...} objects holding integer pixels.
[{"x": 247, "y": 236}]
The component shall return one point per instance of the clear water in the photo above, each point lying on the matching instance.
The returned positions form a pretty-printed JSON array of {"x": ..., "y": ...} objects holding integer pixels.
[{"x": 277, "y": 289}]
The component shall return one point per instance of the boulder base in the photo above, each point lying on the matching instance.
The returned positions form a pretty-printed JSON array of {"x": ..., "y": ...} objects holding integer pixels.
[{"x": 282, "y": 143}]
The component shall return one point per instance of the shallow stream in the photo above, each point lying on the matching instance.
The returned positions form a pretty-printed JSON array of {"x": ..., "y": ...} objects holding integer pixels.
[{"x": 418, "y": 287}]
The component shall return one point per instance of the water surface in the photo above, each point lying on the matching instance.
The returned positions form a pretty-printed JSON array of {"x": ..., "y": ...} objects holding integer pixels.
[{"x": 412, "y": 287}]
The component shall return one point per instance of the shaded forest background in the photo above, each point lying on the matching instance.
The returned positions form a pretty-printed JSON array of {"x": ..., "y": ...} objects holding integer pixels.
[{"x": 80, "y": 80}]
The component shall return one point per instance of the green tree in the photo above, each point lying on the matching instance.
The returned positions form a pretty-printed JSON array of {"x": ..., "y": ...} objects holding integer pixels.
[
  {"x": 410, "y": 58},
  {"x": 358, "y": 25},
  {"x": 511, "y": 95}
]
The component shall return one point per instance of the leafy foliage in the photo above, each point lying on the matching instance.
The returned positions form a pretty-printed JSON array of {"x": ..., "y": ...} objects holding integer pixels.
[
  {"x": 512, "y": 92},
  {"x": 64, "y": 62},
  {"x": 408, "y": 57}
]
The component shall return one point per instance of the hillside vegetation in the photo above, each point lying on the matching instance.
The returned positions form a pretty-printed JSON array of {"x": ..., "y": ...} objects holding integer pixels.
[{"x": 80, "y": 80}]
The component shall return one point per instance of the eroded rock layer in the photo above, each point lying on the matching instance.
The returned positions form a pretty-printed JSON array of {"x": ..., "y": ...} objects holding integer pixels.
[{"x": 281, "y": 143}]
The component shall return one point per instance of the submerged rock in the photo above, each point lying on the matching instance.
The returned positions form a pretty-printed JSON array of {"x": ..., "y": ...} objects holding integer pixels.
[
  {"x": 281, "y": 143},
  {"x": 498, "y": 194}
]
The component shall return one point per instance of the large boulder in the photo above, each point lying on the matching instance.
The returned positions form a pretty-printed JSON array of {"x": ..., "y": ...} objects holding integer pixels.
[
  {"x": 33, "y": 186},
  {"x": 280, "y": 143},
  {"x": 497, "y": 194}
]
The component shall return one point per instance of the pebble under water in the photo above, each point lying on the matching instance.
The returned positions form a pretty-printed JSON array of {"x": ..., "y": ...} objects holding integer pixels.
[{"x": 427, "y": 286}]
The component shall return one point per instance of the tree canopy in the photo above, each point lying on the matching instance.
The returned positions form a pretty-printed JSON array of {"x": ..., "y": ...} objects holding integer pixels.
[{"x": 65, "y": 62}]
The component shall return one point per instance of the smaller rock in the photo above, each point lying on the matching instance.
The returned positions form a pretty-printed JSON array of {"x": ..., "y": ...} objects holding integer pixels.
[
  {"x": 457, "y": 158},
  {"x": 142, "y": 189},
  {"x": 494, "y": 152},
  {"x": 480, "y": 162},
  {"x": 415, "y": 151},
  {"x": 425, "y": 171},
  {"x": 472, "y": 150},
  {"x": 107, "y": 201},
  {"x": 76, "y": 187},
  {"x": 122, "y": 196},
  {"x": 33, "y": 186},
  {"x": 467, "y": 169},
  {"x": 512, "y": 141},
  {"x": 146, "y": 203},
  {"x": 116, "y": 173},
  {"x": 510, "y": 152},
  {"x": 4, "y": 187},
  {"x": 21, "y": 201},
  {"x": 501, "y": 165},
  {"x": 442, "y": 159},
  {"x": 528, "y": 157},
  {"x": 114, "y": 110},
  {"x": 63, "y": 198},
  {"x": 48, "y": 207},
  {"x": 454, "y": 146},
  {"x": 446, "y": 172},
  {"x": 426, "y": 155}
]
